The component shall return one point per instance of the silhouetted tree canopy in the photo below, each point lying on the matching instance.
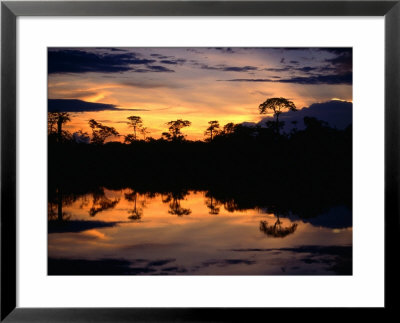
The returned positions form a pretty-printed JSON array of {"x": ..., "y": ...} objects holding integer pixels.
[
  {"x": 101, "y": 132},
  {"x": 144, "y": 132},
  {"x": 277, "y": 106},
  {"x": 136, "y": 123},
  {"x": 229, "y": 128},
  {"x": 58, "y": 118},
  {"x": 175, "y": 133},
  {"x": 212, "y": 130}
]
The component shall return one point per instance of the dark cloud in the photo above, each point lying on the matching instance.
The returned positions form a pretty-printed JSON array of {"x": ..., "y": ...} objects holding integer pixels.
[
  {"x": 342, "y": 62},
  {"x": 338, "y": 217},
  {"x": 173, "y": 61},
  {"x": 160, "y": 262},
  {"x": 151, "y": 84},
  {"x": 310, "y": 80},
  {"x": 226, "y": 262},
  {"x": 112, "y": 49},
  {"x": 71, "y": 105},
  {"x": 348, "y": 51},
  {"x": 157, "y": 68},
  {"x": 154, "y": 68},
  {"x": 321, "y": 79},
  {"x": 306, "y": 69},
  {"x": 228, "y": 50},
  {"x": 225, "y": 68},
  {"x": 80, "y": 61},
  {"x": 278, "y": 69}
]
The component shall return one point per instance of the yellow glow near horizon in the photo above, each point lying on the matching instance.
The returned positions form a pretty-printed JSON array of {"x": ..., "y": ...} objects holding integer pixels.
[{"x": 195, "y": 84}]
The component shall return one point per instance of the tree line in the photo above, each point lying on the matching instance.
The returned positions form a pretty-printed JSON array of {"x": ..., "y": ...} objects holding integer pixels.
[{"x": 101, "y": 132}]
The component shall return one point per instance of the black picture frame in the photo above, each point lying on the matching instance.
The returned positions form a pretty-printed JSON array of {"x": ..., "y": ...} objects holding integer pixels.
[{"x": 10, "y": 10}]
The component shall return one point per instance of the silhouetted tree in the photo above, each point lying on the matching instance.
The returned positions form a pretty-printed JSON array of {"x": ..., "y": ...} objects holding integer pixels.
[
  {"x": 212, "y": 130},
  {"x": 128, "y": 139},
  {"x": 52, "y": 122},
  {"x": 144, "y": 132},
  {"x": 278, "y": 106},
  {"x": 100, "y": 132},
  {"x": 175, "y": 127},
  {"x": 58, "y": 118},
  {"x": 229, "y": 128},
  {"x": 136, "y": 123}
]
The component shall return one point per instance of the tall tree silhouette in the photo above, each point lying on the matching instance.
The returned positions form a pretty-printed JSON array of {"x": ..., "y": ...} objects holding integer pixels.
[
  {"x": 144, "y": 132},
  {"x": 58, "y": 118},
  {"x": 175, "y": 133},
  {"x": 278, "y": 106},
  {"x": 136, "y": 123},
  {"x": 212, "y": 130},
  {"x": 100, "y": 132}
]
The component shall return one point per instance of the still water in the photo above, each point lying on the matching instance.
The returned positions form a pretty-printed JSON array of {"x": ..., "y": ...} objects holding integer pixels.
[{"x": 123, "y": 232}]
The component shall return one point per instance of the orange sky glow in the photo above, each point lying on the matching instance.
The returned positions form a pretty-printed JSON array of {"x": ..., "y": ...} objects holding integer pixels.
[{"x": 195, "y": 84}]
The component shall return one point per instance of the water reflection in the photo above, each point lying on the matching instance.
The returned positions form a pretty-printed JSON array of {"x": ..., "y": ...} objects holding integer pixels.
[
  {"x": 277, "y": 230},
  {"x": 131, "y": 231},
  {"x": 101, "y": 202},
  {"x": 174, "y": 199},
  {"x": 136, "y": 213}
]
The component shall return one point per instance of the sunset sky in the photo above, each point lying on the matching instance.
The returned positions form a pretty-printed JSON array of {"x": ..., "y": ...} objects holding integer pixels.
[{"x": 195, "y": 84}]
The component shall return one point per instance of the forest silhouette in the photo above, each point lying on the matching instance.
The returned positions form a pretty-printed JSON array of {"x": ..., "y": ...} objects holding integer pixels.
[{"x": 239, "y": 166}]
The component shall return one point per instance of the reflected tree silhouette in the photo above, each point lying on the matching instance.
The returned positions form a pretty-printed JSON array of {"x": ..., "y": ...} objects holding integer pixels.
[
  {"x": 136, "y": 213},
  {"x": 101, "y": 202},
  {"x": 231, "y": 206},
  {"x": 277, "y": 230},
  {"x": 213, "y": 205},
  {"x": 55, "y": 207},
  {"x": 174, "y": 199}
]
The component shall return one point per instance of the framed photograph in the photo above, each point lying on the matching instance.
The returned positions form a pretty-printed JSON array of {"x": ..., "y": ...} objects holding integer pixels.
[{"x": 197, "y": 160}]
